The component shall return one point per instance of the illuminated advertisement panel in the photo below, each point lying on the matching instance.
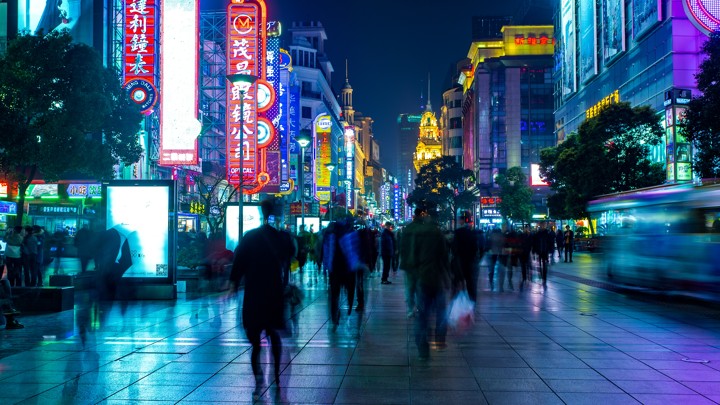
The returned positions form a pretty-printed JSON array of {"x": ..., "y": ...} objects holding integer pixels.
[
  {"x": 76, "y": 16},
  {"x": 588, "y": 39},
  {"x": 535, "y": 179},
  {"x": 140, "y": 52},
  {"x": 569, "y": 45},
  {"x": 140, "y": 218},
  {"x": 246, "y": 41},
  {"x": 284, "y": 129},
  {"x": 613, "y": 34},
  {"x": 704, "y": 14},
  {"x": 646, "y": 13},
  {"x": 349, "y": 164},
  {"x": 322, "y": 127},
  {"x": 179, "y": 126},
  {"x": 268, "y": 140},
  {"x": 252, "y": 218}
]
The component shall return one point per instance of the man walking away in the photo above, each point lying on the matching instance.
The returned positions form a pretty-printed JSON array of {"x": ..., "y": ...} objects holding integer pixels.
[
  {"x": 262, "y": 258},
  {"x": 569, "y": 242},
  {"x": 543, "y": 246},
  {"x": 387, "y": 249},
  {"x": 466, "y": 248}
]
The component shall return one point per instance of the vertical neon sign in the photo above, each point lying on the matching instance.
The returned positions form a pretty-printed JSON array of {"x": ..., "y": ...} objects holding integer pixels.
[
  {"x": 349, "y": 164},
  {"x": 246, "y": 42},
  {"x": 322, "y": 128},
  {"x": 140, "y": 52}
]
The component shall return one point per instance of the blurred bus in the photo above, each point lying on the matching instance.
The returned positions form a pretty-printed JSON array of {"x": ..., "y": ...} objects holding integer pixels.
[{"x": 664, "y": 237}]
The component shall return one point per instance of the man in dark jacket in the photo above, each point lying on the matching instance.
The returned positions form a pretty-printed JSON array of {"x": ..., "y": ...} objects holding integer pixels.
[
  {"x": 387, "y": 249},
  {"x": 262, "y": 258},
  {"x": 544, "y": 246},
  {"x": 466, "y": 249}
]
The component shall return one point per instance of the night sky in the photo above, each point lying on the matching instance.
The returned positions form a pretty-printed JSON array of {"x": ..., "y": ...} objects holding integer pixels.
[{"x": 392, "y": 45}]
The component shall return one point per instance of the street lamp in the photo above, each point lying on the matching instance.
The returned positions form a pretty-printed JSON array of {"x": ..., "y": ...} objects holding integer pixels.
[
  {"x": 242, "y": 82},
  {"x": 303, "y": 139},
  {"x": 331, "y": 167}
]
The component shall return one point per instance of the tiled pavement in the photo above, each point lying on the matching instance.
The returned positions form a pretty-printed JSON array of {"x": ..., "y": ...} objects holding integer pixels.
[{"x": 572, "y": 343}]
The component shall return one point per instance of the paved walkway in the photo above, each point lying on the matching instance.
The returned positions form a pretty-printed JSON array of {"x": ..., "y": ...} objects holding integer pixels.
[{"x": 572, "y": 343}]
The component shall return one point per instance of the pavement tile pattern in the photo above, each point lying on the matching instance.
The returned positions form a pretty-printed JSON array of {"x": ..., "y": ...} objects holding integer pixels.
[{"x": 572, "y": 343}]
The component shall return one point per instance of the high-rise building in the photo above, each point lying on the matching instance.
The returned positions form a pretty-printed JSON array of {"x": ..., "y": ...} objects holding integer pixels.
[
  {"x": 407, "y": 137},
  {"x": 508, "y": 104},
  {"x": 450, "y": 123},
  {"x": 641, "y": 52}
]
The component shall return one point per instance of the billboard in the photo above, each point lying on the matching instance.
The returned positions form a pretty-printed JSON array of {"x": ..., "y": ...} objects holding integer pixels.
[
  {"x": 322, "y": 127},
  {"x": 535, "y": 178},
  {"x": 270, "y": 124},
  {"x": 76, "y": 16},
  {"x": 179, "y": 126},
  {"x": 246, "y": 53},
  {"x": 613, "y": 34},
  {"x": 569, "y": 45},
  {"x": 646, "y": 13},
  {"x": 587, "y": 20},
  {"x": 349, "y": 164},
  {"x": 140, "y": 52},
  {"x": 252, "y": 218},
  {"x": 140, "y": 216},
  {"x": 704, "y": 14}
]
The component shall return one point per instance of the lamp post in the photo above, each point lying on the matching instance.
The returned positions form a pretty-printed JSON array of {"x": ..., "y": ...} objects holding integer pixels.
[
  {"x": 303, "y": 139},
  {"x": 331, "y": 167},
  {"x": 243, "y": 82}
]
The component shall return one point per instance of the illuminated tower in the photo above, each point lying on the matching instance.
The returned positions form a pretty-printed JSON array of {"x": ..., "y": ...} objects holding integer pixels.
[
  {"x": 348, "y": 111},
  {"x": 429, "y": 145}
]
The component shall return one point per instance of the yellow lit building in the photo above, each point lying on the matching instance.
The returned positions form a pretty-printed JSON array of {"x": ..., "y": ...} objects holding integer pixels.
[{"x": 429, "y": 144}]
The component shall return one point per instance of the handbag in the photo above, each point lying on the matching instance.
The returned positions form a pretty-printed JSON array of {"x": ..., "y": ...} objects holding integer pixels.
[{"x": 462, "y": 312}]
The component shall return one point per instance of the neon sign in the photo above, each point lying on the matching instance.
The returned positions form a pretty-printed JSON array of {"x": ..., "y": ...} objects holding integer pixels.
[
  {"x": 323, "y": 127},
  {"x": 704, "y": 14},
  {"x": 533, "y": 40},
  {"x": 140, "y": 53},
  {"x": 612, "y": 98},
  {"x": 246, "y": 49}
]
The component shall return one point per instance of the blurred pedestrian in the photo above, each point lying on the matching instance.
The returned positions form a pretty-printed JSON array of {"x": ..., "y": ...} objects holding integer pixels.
[
  {"x": 426, "y": 255},
  {"x": 262, "y": 258},
  {"x": 13, "y": 256},
  {"x": 466, "y": 250},
  {"x": 84, "y": 239},
  {"x": 569, "y": 237},
  {"x": 338, "y": 266},
  {"x": 560, "y": 243},
  {"x": 526, "y": 243},
  {"x": 387, "y": 249},
  {"x": 543, "y": 246},
  {"x": 30, "y": 261},
  {"x": 497, "y": 255},
  {"x": 513, "y": 249}
]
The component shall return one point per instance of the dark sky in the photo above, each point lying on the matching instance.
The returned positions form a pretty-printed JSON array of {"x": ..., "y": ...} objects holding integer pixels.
[{"x": 392, "y": 45}]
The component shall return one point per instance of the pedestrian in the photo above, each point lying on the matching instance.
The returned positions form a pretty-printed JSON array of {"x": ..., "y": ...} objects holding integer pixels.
[
  {"x": 338, "y": 266},
  {"x": 466, "y": 250},
  {"x": 513, "y": 250},
  {"x": 543, "y": 246},
  {"x": 30, "y": 262},
  {"x": 387, "y": 249},
  {"x": 526, "y": 243},
  {"x": 560, "y": 243},
  {"x": 425, "y": 253},
  {"x": 569, "y": 243},
  {"x": 262, "y": 258},
  {"x": 13, "y": 256},
  {"x": 40, "y": 258},
  {"x": 303, "y": 238},
  {"x": 497, "y": 255},
  {"x": 84, "y": 239}
]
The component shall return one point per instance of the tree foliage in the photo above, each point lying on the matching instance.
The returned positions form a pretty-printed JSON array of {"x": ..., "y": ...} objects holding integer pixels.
[
  {"x": 441, "y": 183},
  {"x": 608, "y": 154},
  {"x": 701, "y": 124},
  {"x": 516, "y": 195},
  {"x": 61, "y": 112}
]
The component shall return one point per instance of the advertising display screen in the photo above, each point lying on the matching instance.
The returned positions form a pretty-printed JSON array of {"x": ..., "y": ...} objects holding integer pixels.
[
  {"x": 646, "y": 13},
  {"x": 569, "y": 44},
  {"x": 322, "y": 126},
  {"x": 52, "y": 15},
  {"x": 252, "y": 218},
  {"x": 613, "y": 35},
  {"x": 140, "y": 215},
  {"x": 588, "y": 39}
]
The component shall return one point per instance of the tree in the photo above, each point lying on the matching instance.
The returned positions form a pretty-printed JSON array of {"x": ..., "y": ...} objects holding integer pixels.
[
  {"x": 61, "y": 112},
  {"x": 441, "y": 183},
  {"x": 516, "y": 195},
  {"x": 214, "y": 193},
  {"x": 608, "y": 154},
  {"x": 701, "y": 124}
]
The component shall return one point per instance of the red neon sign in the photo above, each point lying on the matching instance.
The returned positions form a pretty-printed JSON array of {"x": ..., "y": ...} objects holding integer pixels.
[
  {"x": 541, "y": 40},
  {"x": 246, "y": 44}
]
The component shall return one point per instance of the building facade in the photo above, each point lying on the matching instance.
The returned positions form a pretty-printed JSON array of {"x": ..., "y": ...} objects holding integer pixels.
[
  {"x": 634, "y": 51},
  {"x": 451, "y": 125}
]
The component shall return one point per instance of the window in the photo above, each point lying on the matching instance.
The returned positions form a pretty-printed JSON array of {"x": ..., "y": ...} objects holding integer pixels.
[{"x": 307, "y": 112}]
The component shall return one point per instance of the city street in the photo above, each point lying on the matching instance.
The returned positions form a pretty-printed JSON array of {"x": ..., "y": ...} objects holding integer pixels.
[{"x": 574, "y": 343}]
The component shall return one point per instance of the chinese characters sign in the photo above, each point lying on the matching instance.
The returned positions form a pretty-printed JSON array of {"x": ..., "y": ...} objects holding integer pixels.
[
  {"x": 323, "y": 127},
  {"x": 140, "y": 52},
  {"x": 246, "y": 44}
]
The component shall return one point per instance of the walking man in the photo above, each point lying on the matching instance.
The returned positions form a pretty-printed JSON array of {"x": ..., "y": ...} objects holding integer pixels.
[{"x": 387, "y": 249}]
